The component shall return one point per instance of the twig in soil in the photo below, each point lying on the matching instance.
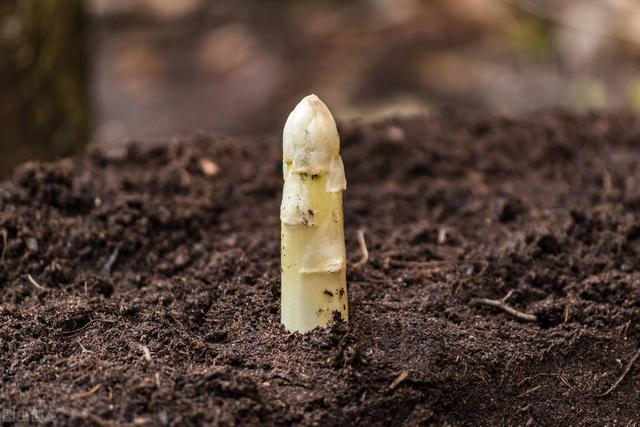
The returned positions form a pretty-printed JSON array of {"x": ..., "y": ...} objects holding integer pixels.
[
  {"x": 524, "y": 408},
  {"x": 34, "y": 283},
  {"x": 507, "y": 296},
  {"x": 615, "y": 385},
  {"x": 403, "y": 376},
  {"x": 542, "y": 374},
  {"x": 108, "y": 266},
  {"x": 625, "y": 331},
  {"x": 82, "y": 328},
  {"x": 146, "y": 353},
  {"x": 87, "y": 393},
  {"x": 84, "y": 350},
  {"x": 437, "y": 262},
  {"x": 4, "y": 235},
  {"x": 502, "y": 305},
  {"x": 574, "y": 336},
  {"x": 363, "y": 250},
  {"x": 531, "y": 390},
  {"x": 566, "y": 313},
  {"x": 565, "y": 382},
  {"x": 434, "y": 264}
]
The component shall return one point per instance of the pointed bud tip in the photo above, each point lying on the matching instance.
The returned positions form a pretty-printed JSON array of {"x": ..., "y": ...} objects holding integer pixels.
[
  {"x": 310, "y": 127},
  {"x": 311, "y": 143},
  {"x": 310, "y": 106}
]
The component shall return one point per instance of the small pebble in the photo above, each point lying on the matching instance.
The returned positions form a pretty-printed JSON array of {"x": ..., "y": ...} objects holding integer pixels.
[{"x": 208, "y": 167}]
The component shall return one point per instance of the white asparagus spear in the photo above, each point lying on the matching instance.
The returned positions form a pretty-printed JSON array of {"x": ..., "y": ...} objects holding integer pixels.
[{"x": 314, "y": 284}]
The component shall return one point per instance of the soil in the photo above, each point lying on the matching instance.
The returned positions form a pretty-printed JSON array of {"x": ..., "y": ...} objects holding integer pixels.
[{"x": 154, "y": 296}]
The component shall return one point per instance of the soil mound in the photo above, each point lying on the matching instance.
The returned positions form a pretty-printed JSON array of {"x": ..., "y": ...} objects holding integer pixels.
[{"x": 140, "y": 283}]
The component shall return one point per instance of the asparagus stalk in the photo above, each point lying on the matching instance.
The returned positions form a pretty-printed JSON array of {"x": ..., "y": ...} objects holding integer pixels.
[{"x": 314, "y": 284}]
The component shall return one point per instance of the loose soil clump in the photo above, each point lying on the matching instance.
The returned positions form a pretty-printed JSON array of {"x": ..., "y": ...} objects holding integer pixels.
[{"x": 140, "y": 283}]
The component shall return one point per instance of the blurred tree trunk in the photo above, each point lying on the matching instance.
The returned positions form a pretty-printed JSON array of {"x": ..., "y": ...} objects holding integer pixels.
[{"x": 44, "y": 100}]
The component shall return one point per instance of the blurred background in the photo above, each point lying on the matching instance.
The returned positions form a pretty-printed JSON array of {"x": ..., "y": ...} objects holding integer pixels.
[{"x": 79, "y": 72}]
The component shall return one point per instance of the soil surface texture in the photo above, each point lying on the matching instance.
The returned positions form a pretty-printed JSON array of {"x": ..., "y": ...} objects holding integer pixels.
[{"x": 140, "y": 283}]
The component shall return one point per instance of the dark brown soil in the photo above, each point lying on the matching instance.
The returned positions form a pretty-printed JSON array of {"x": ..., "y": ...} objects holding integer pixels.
[{"x": 155, "y": 290}]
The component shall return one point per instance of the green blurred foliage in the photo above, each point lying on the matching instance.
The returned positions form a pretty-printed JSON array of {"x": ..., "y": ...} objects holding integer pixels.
[
  {"x": 634, "y": 94},
  {"x": 586, "y": 94},
  {"x": 530, "y": 36},
  {"x": 43, "y": 80}
]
